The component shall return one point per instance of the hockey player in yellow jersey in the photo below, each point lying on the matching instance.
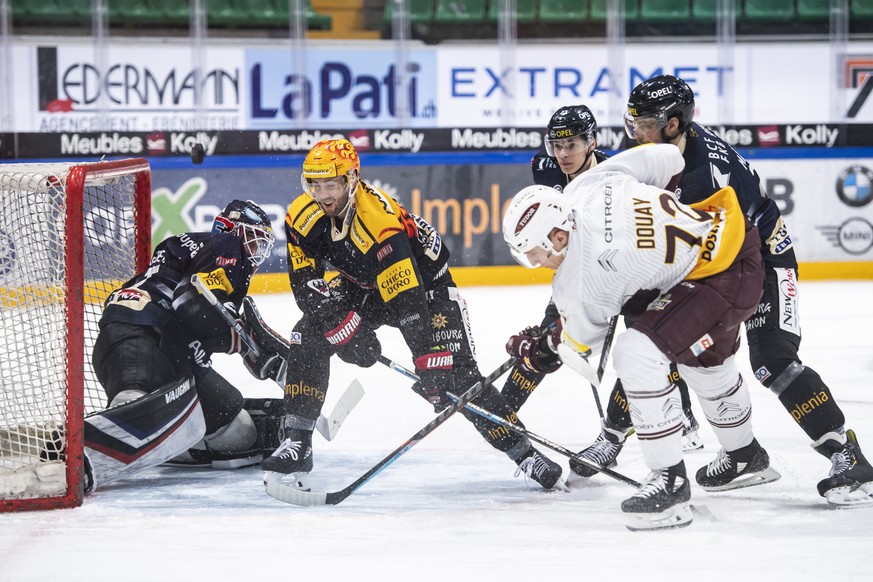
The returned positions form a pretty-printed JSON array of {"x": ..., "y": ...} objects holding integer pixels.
[
  {"x": 688, "y": 275},
  {"x": 393, "y": 270}
]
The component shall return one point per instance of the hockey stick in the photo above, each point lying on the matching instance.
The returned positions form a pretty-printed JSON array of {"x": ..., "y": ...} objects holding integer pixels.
[
  {"x": 518, "y": 429},
  {"x": 225, "y": 314},
  {"x": 549, "y": 444},
  {"x": 287, "y": 493},
  {"x": 327, "y": 426},
  {"x": 604, "y": 356}
]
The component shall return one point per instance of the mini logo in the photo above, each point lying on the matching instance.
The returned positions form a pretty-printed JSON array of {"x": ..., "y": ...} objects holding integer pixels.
[
  {"x": 855, "y": 236},
  {"x": 854, "y": 186}
]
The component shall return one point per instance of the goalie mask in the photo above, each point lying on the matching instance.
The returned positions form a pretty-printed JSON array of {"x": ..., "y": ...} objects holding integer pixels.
[
  {"x": 652, "y": 103},
  {"x": 251, "y": 224},
  {"x": 331, "y": 171},
  {"x": 534, "y": 212}
]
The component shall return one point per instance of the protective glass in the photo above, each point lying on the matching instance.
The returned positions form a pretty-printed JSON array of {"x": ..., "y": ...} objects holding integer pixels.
[
  {"x": 568, "y": 145},
  {"x": 635, "y": 126}
]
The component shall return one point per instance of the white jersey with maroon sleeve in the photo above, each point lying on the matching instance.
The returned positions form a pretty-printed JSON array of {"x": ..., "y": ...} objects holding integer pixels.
[{"x": 631, "y": 236}]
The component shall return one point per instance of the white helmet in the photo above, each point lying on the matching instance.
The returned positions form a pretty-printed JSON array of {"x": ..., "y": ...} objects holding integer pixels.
[{"x": 535, "y": 211}]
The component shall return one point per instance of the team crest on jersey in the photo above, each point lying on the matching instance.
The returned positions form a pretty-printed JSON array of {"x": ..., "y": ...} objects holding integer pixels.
[
  {"x": 295, "y": 338},
  {"x": 319, "y": 286},
  {"x": 438, "y": 321}
]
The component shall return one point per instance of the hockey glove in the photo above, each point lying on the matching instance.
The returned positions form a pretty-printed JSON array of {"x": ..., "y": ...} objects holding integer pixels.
[
  {"x": 353, "y": 341},
  {"x": 434, "y": 370},
  {"x": 271, "y": 362},
  {"x": 536, "y": 351}
]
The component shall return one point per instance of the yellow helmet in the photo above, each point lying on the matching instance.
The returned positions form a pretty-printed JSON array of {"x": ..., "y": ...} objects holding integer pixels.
[{"x": 331, "y": 158}]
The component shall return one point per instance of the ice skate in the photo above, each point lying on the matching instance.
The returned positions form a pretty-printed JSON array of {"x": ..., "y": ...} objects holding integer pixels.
[
  {"x": 743, "y": 467},
  {"x": 603, "y": 452},
  {"x": 850, "y": 481},
  {"x": 661, "y": 502},
  {"x": 691, "y": 440},
  {"x": 292, "y": 461},
  {"x": 541, "y": 469}
]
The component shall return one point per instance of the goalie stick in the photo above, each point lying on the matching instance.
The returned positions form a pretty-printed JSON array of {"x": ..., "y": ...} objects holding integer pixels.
[
  {"x": 287, "y": 493},
  {"x": 521, "y": 430},
  {"x": 327, "y": 426}
]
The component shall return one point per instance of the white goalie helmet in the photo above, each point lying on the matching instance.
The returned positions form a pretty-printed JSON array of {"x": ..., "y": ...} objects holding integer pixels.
[{"x": 534, "y": 212}]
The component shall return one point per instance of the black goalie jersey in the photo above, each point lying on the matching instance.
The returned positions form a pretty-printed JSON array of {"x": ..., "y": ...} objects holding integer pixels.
[
  {"x": 163, "y": 297},
  {"x": 395, "y": 256}
]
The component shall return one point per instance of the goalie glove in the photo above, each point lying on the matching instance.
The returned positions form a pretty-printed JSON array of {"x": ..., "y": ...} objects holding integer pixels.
[
  {"x": 536, "y": 351},
  {"x": 272, "y": 361}
]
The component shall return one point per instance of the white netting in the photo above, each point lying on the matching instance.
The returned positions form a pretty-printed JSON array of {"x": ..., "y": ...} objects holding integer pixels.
[{"x": 33, "y": 310}]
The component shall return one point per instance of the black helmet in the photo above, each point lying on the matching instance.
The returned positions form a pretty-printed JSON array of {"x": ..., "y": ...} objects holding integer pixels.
[
  {"x": 570, "y": 121},
  {"x": 250, "y": 223},
  {"x": 661, "y": 98}
]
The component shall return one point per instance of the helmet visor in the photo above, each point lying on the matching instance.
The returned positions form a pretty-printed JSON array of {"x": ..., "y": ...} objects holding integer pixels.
[
  {"x": 568, "y": 145},
  {"x": 636, "y": 127}
]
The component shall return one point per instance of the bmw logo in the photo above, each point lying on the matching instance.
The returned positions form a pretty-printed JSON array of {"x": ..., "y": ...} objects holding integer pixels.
[{"x": 855, "y": 186}]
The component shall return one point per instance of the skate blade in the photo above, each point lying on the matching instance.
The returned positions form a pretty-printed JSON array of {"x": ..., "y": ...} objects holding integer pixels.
[
  {"x": 561, "y": 486},
  {"x": 847, "y": 498},
  {"x": 295, "y": 480},
  {"x": 677, "y": 516},
  {"x": 768, "y": 475},
  {"x": 691, "y": 442}
]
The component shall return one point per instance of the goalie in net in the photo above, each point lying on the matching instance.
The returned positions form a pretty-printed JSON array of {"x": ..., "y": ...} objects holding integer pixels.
[{"x": 152, "y": 355}]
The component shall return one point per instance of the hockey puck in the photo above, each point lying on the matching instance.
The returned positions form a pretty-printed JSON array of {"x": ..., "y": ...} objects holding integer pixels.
[{"x": 198, "y": 154}]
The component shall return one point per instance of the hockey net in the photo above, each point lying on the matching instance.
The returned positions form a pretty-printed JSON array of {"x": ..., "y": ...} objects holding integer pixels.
[{"x": 70, "y": 233}]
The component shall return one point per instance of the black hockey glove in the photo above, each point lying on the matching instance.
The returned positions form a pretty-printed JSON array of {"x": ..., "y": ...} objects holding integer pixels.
[
  {"x": 273, "y": 349},
  {"x": 434, "y": 370},
  {"x": 353, "y": 341},
  {"x": 536, "y": 351}
]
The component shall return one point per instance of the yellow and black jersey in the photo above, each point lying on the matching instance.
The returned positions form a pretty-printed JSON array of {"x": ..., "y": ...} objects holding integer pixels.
[{"x": 379, "y": 246}]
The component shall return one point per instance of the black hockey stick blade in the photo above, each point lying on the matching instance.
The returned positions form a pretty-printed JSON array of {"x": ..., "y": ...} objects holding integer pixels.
[
  {"x": 287, "y": 493},
  {"x": 549, "y": 444}
]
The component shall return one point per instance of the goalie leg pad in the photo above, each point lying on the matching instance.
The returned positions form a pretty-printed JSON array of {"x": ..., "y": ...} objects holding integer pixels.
[{"x": 143, "y": 433}]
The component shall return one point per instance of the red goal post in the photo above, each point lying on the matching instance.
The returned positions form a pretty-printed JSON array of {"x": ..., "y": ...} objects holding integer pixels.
[{"x": 70, "y": 233}]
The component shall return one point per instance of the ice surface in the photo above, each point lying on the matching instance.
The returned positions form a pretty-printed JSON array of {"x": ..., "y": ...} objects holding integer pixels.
[{"x": 451, "y": 507}]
